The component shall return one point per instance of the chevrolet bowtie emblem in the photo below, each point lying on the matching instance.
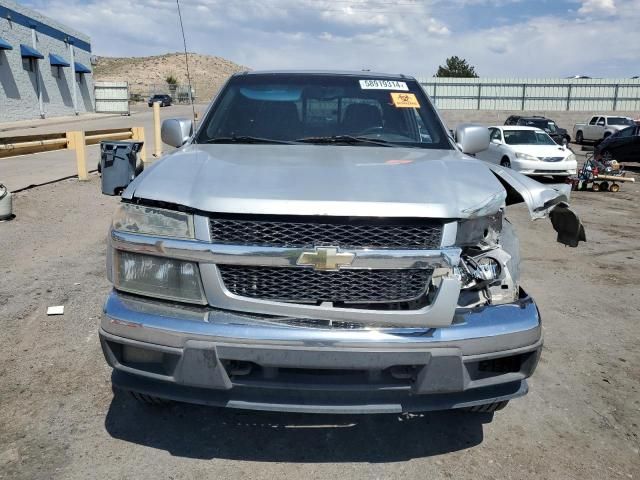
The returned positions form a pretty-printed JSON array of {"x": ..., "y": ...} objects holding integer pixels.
[{"x": 325, "y": 258}]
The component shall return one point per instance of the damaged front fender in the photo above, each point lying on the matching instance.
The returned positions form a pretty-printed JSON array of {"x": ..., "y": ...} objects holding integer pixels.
[{"x": 542, "y": 201}]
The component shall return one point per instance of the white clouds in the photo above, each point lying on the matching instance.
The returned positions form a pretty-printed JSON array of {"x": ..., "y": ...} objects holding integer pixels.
[
  {"x": 607, "y": 7},
  {"x": 406, "y": 36}
]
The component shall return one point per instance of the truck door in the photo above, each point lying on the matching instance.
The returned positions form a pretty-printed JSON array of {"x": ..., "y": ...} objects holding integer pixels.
[
  {"x": 598, "y": 131},
  {"x": 589, "y": 128}
]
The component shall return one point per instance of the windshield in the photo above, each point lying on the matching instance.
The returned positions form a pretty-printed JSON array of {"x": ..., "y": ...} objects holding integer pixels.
[
  {"x": 323, "y": 109},
  {"x": 619, "y": 121},
  {"x": 527, "y": 137}
]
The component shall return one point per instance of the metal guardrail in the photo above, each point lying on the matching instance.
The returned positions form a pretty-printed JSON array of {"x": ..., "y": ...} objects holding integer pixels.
[
  {"x": 567, "y": 98},
  {"x": 75, "y": 140}
]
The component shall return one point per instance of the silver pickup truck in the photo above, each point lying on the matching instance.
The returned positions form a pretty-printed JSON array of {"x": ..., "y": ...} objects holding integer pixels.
[
  {"x": 321, "y": 244},
  {"x": 599, "y": 127}
]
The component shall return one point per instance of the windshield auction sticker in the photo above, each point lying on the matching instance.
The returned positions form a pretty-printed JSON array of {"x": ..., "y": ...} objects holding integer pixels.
[
  {"x": 383, "y": 85},
  {"x": 404, "y": 100}
]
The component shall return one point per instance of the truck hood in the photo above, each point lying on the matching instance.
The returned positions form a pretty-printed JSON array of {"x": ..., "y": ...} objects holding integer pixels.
[
  {"x": 320, "y": 180},
  {"x": 347, "y": 181}
]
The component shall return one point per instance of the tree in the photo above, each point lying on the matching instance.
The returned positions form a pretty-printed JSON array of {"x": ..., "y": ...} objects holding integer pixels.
[
  {"x": 456, "y": 67},
  {"x": 172, "y": 81}
]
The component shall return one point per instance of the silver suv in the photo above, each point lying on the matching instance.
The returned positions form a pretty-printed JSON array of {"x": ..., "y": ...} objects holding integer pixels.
[{"x": 321, "y": 244}]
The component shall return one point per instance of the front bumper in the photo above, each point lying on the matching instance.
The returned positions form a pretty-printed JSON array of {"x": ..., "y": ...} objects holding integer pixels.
[
  {"x": 532, "y": 167},
  {"x": 216, "y": 357}
]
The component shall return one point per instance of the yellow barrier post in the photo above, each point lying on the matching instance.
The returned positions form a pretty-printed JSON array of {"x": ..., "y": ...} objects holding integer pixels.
[
  {"x": 78, "y": 142},
  {"x": 138, "y": 134},
  {"x": 156, "y": 130},
  {"x": 71, "y": 140}
]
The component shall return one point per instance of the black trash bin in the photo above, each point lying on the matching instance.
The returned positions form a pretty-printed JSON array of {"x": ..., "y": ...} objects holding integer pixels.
[{"x": 118, "y": 165}]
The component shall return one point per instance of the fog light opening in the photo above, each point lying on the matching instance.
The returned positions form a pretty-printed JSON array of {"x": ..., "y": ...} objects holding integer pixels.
[{"x": 141, "y": 355}]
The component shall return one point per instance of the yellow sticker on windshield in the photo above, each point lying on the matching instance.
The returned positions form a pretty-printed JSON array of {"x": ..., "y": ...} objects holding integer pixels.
[{"x": 404, "y": 100}]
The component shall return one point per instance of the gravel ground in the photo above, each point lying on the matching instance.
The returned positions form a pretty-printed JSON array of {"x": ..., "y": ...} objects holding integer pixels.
[{"x": 59, "y": 418}]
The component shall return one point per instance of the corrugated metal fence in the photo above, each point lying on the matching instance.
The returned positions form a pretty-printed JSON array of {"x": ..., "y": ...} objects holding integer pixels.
[
  {"x": 112, "y": 97},
  {"x": 534, "y": 94}
]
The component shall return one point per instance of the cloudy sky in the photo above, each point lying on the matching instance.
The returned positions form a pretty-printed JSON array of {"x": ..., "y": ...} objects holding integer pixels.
[{"x": 514, "y": 38}]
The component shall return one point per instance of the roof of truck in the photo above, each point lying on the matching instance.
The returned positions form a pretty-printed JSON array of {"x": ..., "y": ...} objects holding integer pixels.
[{"x": 365, "y": 74}]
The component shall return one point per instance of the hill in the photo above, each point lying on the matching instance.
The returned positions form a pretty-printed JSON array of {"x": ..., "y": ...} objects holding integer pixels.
[{"x": 146, "y": 75}]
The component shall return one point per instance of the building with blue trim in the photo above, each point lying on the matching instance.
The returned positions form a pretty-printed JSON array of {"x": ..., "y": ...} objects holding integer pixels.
[{"x": 45, "y": 67}]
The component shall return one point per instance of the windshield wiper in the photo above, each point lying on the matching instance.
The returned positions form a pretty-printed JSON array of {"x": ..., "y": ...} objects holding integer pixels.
[
  {"x": 246, "y": 139},
  {"x": 346, "y": 139}
]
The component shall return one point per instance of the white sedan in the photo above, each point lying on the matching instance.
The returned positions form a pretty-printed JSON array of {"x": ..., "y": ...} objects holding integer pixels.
[{"x": 529, "y": 150}]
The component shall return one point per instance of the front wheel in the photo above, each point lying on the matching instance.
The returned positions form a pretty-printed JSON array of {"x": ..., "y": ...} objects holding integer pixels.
[
  {"x": 505, "y": 162},
  {"x": 579, "y": 138}
]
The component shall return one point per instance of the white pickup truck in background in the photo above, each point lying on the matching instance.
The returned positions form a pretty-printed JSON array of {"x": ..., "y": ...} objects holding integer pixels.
[{"x": 599, "y": 127}]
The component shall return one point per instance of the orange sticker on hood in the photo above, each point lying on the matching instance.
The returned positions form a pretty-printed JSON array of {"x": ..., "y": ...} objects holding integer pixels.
[{"x": 404, "y": 100}]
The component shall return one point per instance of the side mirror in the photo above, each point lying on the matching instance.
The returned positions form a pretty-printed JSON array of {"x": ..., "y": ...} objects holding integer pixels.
[
  {"x": 176, "y": 131},
  {"x": 472, "y": 138}
]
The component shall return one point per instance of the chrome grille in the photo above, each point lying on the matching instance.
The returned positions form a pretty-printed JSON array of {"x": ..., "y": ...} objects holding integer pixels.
[
  {"x": 305, "y": 285},
  {"x": 345, "y": 232},
  {"x": 551, "y": 159}
]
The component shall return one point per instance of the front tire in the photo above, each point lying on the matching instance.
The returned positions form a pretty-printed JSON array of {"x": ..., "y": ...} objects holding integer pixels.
[
  {"x": 579, "y": 138},
  {"x": 505, "y": 162}
]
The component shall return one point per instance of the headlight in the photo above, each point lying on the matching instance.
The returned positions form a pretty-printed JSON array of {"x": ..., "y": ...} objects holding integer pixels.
[
  {"x": 153, "y": 221},
  {"x": 158, "y": 277},
  {"x": 526, "y": 156},
  {"x": 571, "y": 158}
]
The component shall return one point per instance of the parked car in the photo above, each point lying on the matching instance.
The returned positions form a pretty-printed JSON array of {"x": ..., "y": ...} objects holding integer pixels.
[
  {"x": 623, "y": 146},
  {"x": 599, "y": 127},
  {"x": 165, "y": 100},
  {"x": 559, "y": 135},
  {"x": 321, "y": 244},
  {"x": 530, "y": 151}
]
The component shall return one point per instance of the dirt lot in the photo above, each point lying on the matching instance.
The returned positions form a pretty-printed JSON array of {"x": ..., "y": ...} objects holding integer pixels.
[{"x": 59, "y": 418}]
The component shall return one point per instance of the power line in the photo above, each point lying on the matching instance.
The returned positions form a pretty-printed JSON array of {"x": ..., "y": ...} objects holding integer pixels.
[{"x": 186, "y": 61}]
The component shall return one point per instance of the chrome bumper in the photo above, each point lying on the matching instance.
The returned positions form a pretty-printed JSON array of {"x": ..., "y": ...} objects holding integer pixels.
[{"x": 444, "y": 364}]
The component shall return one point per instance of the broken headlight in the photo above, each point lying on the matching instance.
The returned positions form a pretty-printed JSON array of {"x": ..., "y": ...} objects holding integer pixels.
[
  {"x": 489, "y": 269},
  {"x": 476, "y": 232},
  {"x": 153, "y": 221}
]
